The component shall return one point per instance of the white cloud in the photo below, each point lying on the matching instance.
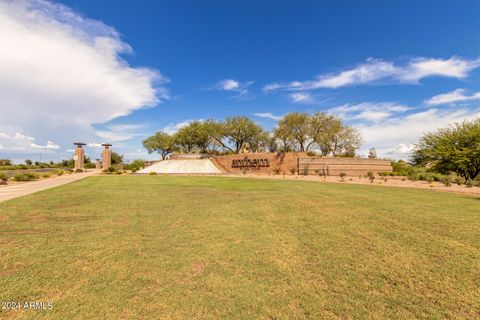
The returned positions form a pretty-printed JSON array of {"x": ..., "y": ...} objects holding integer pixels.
[
  {"x": 120, "y": 132},
  {"x": 302, "y": 97},
  {"x": 241, "y": 88},
  {"x": 229, "y": 85},
  {"x": 174, "y": 127},
  {"x": 374, "y": 70},
  {"x": 3, "y": 135},
  {"x": 268, "y": 115},
  {"x": 388, "y": 135},
  {"x": 94, "y": 145},
  {"x": 50, "y": 145},
  {"x": 369, "y": 111},
  {"x": 61, "y": 72},
  {"x": 457, "y": 95}
]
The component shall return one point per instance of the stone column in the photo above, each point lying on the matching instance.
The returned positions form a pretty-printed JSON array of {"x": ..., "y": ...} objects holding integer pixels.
[
  {"x": 98, "y": 164},
  {"x": 106, "y": 156},
  {"x": 79, "y": 156}
]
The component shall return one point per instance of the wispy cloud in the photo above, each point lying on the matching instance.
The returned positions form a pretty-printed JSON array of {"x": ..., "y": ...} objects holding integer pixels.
[
  {"x": 173, "y": 127},
  {"x": 386, "y": 136},
  {"x": 457, "y": 95},
  {"x": 301, "y": 97},
  {"x": 268, "y": 115},
  {"x": 369, "y": 111},
  {"x": 238, "y": 87},
  {"x": 375, "y": 70},
  {"x": 120, "y": 132},
  {"x": 50, "y": 145}
]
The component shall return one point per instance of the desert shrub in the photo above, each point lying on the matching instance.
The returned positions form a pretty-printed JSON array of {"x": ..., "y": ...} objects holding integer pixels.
[
  {"x": 46, "y": 175},
  {"x": 3, "y": 177},
  {"x": 111, "y": 169},
  {"x": 429, "y": 178},
  {"x": 26, "y": 176},
  {"x": 78, "y": 171},
  {"x": 469, "y": 184},
  {"x": 58, "y": 172},
  {"x": 447, "y": 181},
  {"x": 370, "y": 176},
  {"x": 153, "y": 173}
]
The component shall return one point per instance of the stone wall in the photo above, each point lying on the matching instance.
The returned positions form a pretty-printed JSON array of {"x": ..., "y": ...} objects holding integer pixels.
[
  {"x": 261, "y": 163},
  {"x": 349, "y": 166},
  {"x": 285, "y": 163}
]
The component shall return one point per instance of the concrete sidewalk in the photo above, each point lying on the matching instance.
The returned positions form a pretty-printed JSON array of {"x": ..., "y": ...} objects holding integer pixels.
[{"x": 25, "y": 188}]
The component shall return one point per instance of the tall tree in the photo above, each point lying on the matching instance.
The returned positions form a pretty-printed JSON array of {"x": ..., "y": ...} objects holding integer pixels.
[
  {"x": 160, "y": 142},
  {"x": 455, "y": 148},
  {"x": 194, "y": 136},
  {"x": 236, "y": 132},
  {"x": 296, "y": 126}
]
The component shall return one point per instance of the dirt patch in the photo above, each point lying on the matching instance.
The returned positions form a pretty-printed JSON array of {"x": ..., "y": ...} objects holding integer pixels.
[{"x": 198, "y": 268}]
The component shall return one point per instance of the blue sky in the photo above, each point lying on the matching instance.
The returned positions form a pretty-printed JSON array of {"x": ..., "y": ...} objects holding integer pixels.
[{"x": 117, "y": 71}]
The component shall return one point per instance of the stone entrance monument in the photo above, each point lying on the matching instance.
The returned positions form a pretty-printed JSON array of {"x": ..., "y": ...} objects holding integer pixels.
[
  {"x": 79, "y": 156},
  {"x": 106, "y": 156}
]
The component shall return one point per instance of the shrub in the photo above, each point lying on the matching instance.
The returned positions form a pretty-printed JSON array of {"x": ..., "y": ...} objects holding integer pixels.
[
  {"x": 429, "y": 179},
  {"x": 153, "y": 173},
  {"x": 46, "y": 175},
  {"x": 447, "y": 181},
  {"x": 370, "y": 176},
  {"x": 3, "y": 177},
  {"x": 469, "y": 184},
  {"x": 111, "y": 169},
  {"x": 79, "y": 171},
  {"x": 277, "y": 171},
  {"x": 26, "y": 176},
  {"x": 342, "y": 176},
  {"x": 293, "y": 170},
  {"x": 58, "y": 172},
  {"x": 459, "y": 180}
]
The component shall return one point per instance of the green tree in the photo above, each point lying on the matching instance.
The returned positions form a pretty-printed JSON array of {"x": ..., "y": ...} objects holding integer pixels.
[
  {"x": 235, "y": 133},
  {"x": 295, "y": 127},
  {"x": 5, "y": 162},
  {"x": 160, "y": 142},
  {"x": 117, "y": 158},
  {"x": 454, "y": 148},
  {"x": 28, "y": 162},
  {"x": 195, "y": 136}
]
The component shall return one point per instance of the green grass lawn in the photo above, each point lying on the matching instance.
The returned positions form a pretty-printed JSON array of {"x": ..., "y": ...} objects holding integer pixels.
[{"x": 158, "y": 247}]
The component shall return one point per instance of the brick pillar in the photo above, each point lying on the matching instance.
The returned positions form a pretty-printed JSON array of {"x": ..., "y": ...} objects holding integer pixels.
[
  {"x": 79, "y": 156},
  {"x": 106, "y": 156},
  {"x": 98, "y": 164}
]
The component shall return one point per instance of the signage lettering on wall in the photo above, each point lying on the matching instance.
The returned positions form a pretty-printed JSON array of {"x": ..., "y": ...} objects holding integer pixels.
[{"x": 247, "y": 163}]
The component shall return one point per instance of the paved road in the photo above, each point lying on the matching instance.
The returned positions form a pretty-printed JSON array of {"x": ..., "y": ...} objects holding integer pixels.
[{"x": 22, "y": 189}]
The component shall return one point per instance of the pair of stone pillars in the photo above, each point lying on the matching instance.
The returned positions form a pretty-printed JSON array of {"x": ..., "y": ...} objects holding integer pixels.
[{"x": 79, "y": 156}]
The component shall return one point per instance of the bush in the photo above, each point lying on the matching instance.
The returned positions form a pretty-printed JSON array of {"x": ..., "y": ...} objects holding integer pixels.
[
  {"x": 469, "y": 184},
  {"x": 79, "y": 171},
  {"x": 153, "y": 173},
  {"x": 58, "y": 172},
  {"x": 342, "y": 176},
  {"x": 277, "y": 171},
  {"x": 46, "y": 175},
  {"x": 447, "y": 181},
  {"x": 459, "y": 180},
  {"x": 370, "y": 176},
  {"x": 111, "y": 169},
  {"x": 293, "y": 170},
  {"x": 3, "y": 177},
  {"x": 26, "y": 176}
]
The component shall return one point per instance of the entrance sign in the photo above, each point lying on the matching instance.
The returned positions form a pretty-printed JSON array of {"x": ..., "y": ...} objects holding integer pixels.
[{"x": 247, "y": 163}]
